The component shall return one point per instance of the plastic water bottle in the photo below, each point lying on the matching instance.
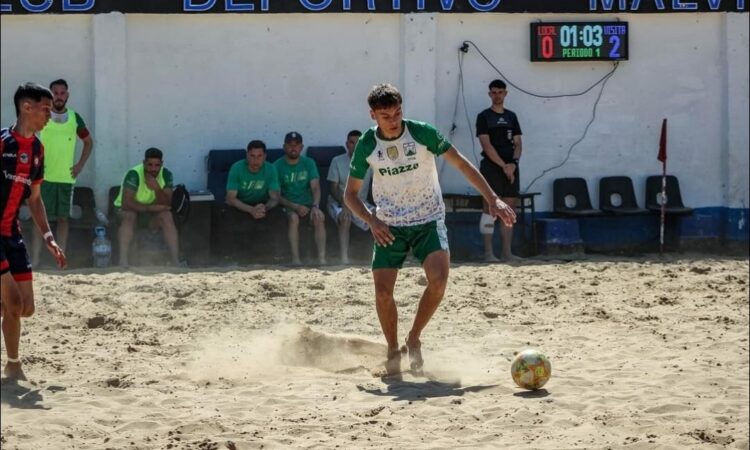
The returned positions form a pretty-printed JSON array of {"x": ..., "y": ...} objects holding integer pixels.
[
  {"x": 101, "y": 248},
  {"x": 102, "y": 218}
]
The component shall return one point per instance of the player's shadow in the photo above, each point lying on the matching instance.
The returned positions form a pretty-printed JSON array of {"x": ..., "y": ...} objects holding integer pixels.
[
  {"x": 539, "y": 393},
  {"x": 17, "y": 396},
  {"x": 402, "y": 390}
]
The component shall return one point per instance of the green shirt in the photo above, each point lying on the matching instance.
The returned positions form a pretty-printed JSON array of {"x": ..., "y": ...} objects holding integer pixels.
[
  {"x": 252, "y": 187},
  {"x": 59, "y": 139},
  {"x": 405, "y": 184},
  {"x": 295, "y": 179}
]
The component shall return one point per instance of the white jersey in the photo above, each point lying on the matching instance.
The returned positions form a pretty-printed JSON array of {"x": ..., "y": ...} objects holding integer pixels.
[{"x": 405, "y": 184}]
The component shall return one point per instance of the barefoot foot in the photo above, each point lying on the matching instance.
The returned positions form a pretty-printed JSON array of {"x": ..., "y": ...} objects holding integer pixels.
[
  {"x": 414, "y": 347},
  {"x": 14, "y": 371}
]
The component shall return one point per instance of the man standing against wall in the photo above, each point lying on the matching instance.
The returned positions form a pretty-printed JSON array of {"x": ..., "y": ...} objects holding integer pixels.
[
  {"x": 339, "y": 212},
  {"x": 59, "y": 137},
  {"x": 499, "y": 133}
]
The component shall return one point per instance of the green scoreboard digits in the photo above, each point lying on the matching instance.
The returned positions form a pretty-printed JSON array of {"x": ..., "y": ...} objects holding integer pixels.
[{"x": 579, "y": 41}]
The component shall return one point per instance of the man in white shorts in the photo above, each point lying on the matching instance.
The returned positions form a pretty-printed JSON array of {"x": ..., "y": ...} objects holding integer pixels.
[{"x": 341, "y": 215}]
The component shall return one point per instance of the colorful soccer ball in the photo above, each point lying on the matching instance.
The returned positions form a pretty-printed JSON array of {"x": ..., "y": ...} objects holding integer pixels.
[{"x": 530, "y": 369}]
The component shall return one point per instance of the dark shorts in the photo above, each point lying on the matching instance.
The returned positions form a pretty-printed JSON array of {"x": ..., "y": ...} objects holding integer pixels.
[
  {"x": 497, "y": 179},
  {"x": 14, "y": 258},
  {"x": 422, "y": 240},
  {"x": 57, "y": 198}
]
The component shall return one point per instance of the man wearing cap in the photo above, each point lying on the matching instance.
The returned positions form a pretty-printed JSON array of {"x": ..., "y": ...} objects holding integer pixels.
[{"x": 300, "y": 195}]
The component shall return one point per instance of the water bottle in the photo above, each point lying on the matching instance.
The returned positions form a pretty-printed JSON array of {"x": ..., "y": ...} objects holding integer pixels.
[
  {"x": 102, "y": 218},
  {"x": 101, "y": 248}
]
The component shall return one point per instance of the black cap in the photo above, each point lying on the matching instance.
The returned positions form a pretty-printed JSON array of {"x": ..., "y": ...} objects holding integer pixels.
[{"x": 292, "y": 136}]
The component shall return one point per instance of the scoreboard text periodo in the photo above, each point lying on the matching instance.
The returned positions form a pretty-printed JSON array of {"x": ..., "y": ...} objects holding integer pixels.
[{"x": 579, "y": 41}]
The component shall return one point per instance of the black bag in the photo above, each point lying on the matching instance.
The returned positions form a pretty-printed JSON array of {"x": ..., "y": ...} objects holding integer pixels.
[{"x": 180, "y": 204}]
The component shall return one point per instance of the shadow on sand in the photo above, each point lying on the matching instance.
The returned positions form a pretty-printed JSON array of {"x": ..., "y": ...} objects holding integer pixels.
[
  {"x": 17, "y": 396},
  {"x": 401, "y": 390}
]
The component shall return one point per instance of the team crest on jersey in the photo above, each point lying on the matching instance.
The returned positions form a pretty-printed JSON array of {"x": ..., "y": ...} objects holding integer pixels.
[
  {"x": 410, "y": 149},
  {"x": 23, "y": 157},
  {"x": 392, "y": 152}
]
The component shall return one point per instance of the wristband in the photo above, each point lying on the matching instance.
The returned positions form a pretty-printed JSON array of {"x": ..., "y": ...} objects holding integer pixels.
[
  {"x": 48, "y": 235},
  {"x": 515, "y": 161},
  {"x": 14, "y": 360}
]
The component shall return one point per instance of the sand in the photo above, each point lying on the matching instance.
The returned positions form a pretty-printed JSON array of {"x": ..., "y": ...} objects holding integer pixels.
[{"x": 646, "y": 353}]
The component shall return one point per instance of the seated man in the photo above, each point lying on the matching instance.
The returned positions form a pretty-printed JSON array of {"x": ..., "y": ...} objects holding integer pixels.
[
  {"x": 146, "y": 197},
  {"x": 300, "y": 195},
  {"x": 253, "y": 184},
  {"x": 337, "y": 175}
]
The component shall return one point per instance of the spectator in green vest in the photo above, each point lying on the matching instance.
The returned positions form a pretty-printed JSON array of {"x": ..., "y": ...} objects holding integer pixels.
[
  {"x": 145, "y": 198},
  {"x": 300, "y": 195},
  {"x": 59, "y": 138},
  {"x": 253, "y": 184}
]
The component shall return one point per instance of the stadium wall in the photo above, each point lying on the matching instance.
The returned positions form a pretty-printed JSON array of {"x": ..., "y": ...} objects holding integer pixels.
[{"x": 188, "y": 84}]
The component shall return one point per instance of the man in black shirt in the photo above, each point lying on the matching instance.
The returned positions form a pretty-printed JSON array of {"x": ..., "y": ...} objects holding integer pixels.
[{"x": 499, "y": 133}]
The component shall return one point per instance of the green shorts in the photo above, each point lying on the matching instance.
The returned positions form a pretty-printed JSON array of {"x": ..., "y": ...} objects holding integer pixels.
[
  {"x": 57, "y": 198},
  {"x": 420, "y": 239}
]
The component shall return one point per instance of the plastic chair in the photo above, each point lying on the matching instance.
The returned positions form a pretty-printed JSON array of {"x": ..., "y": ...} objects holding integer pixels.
[
  {"x": 83, "y": 198},
  {"x": 323, "y": 157},
  {"x": 272, "y": 154},
  {"x": 674, "y": 203},
  {"x": 114, "y": 191},
  {"x": 324, "y": 154},
  {"x": 571, "y": 198},
  {"x": 610, "y": 188}
]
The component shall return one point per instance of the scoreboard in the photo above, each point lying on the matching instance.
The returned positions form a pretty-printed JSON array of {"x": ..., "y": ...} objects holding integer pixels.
[{"x": 579, "y": 41}]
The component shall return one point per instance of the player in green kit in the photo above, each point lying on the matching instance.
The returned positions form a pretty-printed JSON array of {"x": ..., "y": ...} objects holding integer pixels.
[{"x": 410, "y": 214}]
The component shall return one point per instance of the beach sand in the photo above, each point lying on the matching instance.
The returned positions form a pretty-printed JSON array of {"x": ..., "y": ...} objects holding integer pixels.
[{"x": 646, "y": 353}]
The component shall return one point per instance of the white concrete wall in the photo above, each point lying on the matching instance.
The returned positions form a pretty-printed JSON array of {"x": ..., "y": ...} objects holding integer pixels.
[
  {"x": 676, "y": 70},
  {"x": 188, "y": 84},
  {"x": 42, "y": 49}
]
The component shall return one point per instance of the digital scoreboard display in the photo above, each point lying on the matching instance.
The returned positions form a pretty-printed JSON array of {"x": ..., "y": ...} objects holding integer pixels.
[{"x": 579, "y": 41}]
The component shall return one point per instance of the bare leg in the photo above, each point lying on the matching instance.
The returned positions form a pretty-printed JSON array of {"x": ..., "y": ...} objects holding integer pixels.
[
  {"x": 293, "y": 232},
  {"x": 487, "y": 238},
  {"x": 61, "y": 233},
  {"x": 18, "y": 302},
  {"x": 320, "y": 237},
  {"x": 385, "y": 280},
  {"x": 436, "y": 267},
  {"x": 488, "y": 254},
  {"x": 125, "y": 234},
  {"x": 345, "y": 223},
  {"x": 169, "y": 229},
  {"x": 507, "y": 233}
]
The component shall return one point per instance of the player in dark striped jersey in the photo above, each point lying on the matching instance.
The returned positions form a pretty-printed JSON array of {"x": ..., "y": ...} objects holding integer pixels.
[{"x": 22, "y": 173}]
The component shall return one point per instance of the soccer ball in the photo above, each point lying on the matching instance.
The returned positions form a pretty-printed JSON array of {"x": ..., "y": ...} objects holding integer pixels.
[{"x": 530, "y": 369}]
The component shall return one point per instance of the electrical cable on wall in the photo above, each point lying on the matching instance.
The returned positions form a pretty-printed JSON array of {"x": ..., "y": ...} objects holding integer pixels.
[{"x": 461, "y": 92}]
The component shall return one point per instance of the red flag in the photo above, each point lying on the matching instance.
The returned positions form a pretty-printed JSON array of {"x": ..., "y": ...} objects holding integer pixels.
[{"x": 663, "y": 142}]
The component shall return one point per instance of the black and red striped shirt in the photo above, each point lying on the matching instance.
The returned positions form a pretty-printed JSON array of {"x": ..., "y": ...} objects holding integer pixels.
[{"x": 22, "y": 165}]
